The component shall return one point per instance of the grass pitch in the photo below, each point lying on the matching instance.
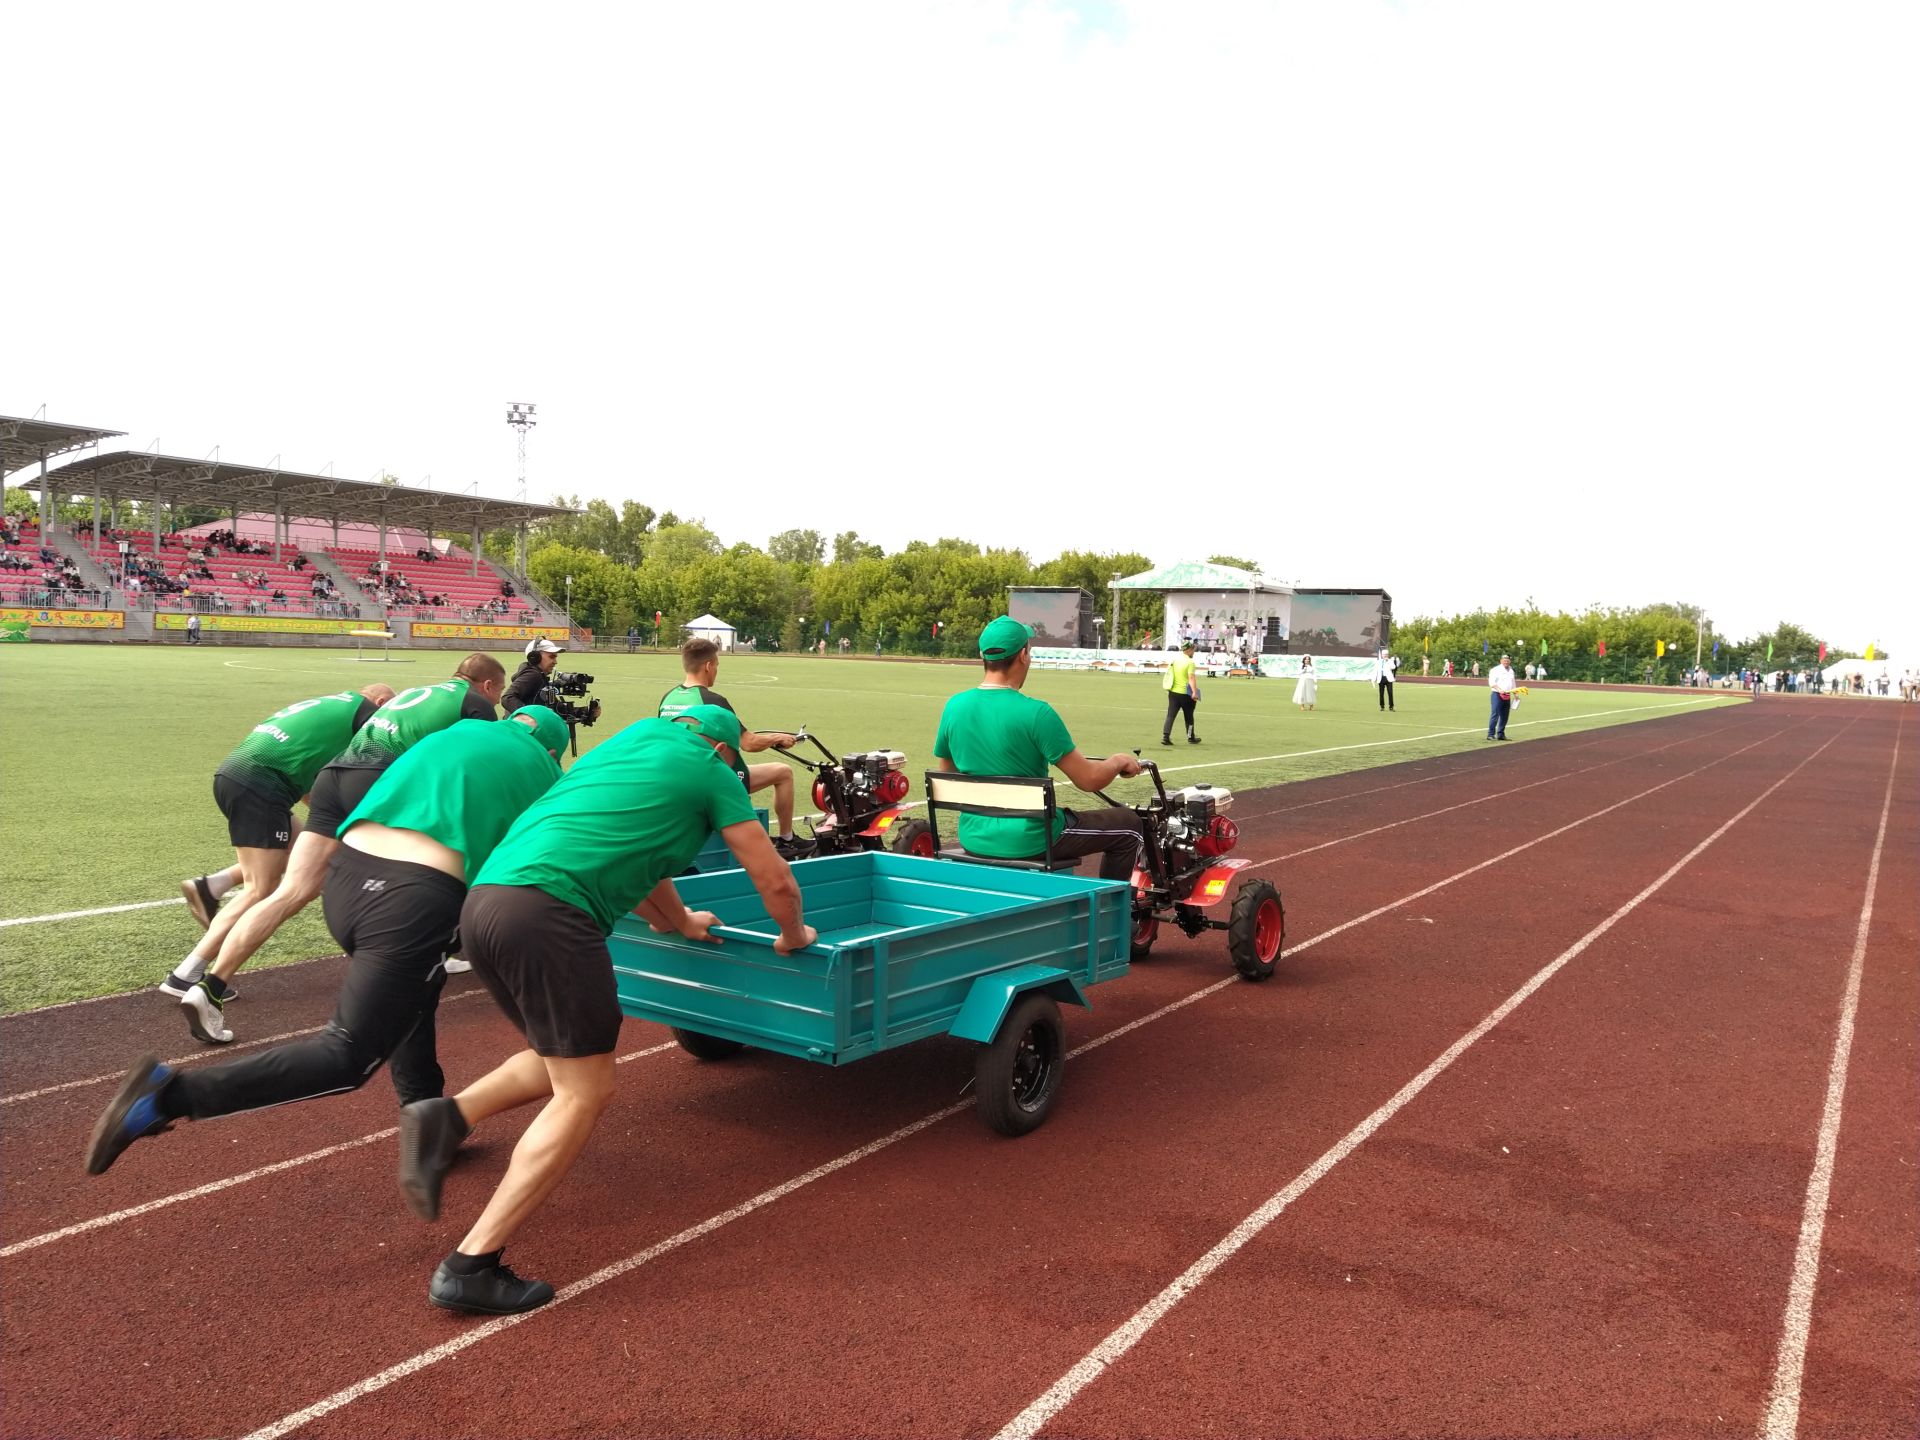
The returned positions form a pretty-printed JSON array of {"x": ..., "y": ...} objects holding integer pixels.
[{"x": 106, "y": 777}]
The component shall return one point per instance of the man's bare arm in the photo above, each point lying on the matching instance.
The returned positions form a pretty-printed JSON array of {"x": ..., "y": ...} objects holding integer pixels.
[
  {"x": 773, "y": 878},
  {"x": 1093, "y": 775}
]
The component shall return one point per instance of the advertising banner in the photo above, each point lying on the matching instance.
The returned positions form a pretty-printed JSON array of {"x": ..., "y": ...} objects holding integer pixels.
[
  {"x": 67, "y": 619},
  {"x": 435, "y": 630},
  {"x": 265, "y": 624},
  {"x": 1141, "y": 662}
]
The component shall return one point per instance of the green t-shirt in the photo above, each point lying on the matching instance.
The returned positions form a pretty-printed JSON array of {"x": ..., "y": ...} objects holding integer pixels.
[
  {"x": 289, "y": 748},
  {"x": 463, "y": 786},
  {"x": 410, "y": 717},
  {"x": 633, "y": 811},
  {"x": 1180, "y": 673},
  {"x": 683, "y": 698},
  {"x": 995, "y": 730}
]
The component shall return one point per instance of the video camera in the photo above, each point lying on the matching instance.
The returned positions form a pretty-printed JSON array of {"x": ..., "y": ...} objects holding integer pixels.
[{"x": 582, "y": 709}]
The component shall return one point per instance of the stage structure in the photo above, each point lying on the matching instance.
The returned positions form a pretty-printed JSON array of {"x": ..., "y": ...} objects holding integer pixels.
[{"x": 1216, "y": 606}]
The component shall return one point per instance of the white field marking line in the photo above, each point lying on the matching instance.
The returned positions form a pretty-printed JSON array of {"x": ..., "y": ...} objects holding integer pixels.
[
  {"x": 211, "y": 1052},
  {"x": 1164, "y": 770},
  {"x": 1496, "y": 795},
  {"x": 766, "y": 1197},
  {"x": 1058, "y": 1396},
  {"x": 83, "y": 914},
  {"x": 215, "y": 1186},
  {"x": 1782, "y": 1421}
]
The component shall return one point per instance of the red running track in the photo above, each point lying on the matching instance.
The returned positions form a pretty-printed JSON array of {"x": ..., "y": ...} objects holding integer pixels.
[{"x": 1585, "y": 1224}]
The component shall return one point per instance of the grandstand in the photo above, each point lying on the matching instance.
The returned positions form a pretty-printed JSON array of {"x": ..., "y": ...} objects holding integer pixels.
[{"x": 277, "y": 568}]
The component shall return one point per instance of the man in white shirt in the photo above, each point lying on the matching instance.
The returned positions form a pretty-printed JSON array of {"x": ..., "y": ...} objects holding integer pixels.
[
  {"x": 1500, "y": 686},
  {"x": 1383, "y": 667}
]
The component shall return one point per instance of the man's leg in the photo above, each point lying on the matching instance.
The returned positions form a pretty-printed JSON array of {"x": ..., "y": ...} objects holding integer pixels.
[
  {"x": 260, "y": 872},
  {"x": 780, "y": 777},
  {"x": 1493, "y": 712},
  {"x": 1173, "y": 708},
  {"x": 1113, "y": 834},
  {"x": 581, "y": 1090},
  {"x": 1188, "y": 705},
  {"x": 203, "y": 893},
  {"x": 1387, "y": 685}
]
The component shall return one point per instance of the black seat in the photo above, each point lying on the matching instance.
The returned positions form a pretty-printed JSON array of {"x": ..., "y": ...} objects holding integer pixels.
[{"x": 1010, "y": 797}]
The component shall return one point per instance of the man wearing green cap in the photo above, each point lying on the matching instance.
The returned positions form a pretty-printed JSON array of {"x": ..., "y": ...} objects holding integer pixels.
[
  {"x": 606, "y": 840},
  {"x": 993, "y": 729},
  {"x": 392, "y": 900}
]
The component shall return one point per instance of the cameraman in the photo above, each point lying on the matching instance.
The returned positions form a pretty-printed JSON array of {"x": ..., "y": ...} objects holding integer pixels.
[{"x": 533, "y": 676}]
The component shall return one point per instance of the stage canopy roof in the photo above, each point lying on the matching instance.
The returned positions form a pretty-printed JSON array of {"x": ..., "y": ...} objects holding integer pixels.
[
  {"x": 1198, "y": 575},
  {"x": 176, "y": 480},
  {"x": 26, "y": 442}
]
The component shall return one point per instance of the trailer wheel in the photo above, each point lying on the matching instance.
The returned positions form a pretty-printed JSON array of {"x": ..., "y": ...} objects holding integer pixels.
[
  {"x": 912, "y": 837},
  {"x": 1146, "y": 929},
  {"x": 706, "y": 1047},
  {"x": 1018, "y": 1075},
  {"x": 1258, "y": 929}
]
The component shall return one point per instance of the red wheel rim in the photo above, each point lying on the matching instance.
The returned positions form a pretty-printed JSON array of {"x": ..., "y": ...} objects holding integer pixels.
[
  {"x": 1269, "y": 928},
  {"x": 922, "y": 844},
  {"x": 1145, "y": 929}
]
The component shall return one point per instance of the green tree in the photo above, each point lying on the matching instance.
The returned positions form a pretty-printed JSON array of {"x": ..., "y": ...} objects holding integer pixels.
[
  {"x": 797, "y": 547},
  {"x": 849, "y": 547},
  {"x": 1235, "y": 562}
]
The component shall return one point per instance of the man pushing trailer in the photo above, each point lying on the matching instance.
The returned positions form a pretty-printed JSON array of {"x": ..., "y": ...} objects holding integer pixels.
[
  {"x": 604, "y": 841},
  {"x": 393, "y": 896}
]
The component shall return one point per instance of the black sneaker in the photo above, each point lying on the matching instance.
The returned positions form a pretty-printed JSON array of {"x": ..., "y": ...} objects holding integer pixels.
[
  {"x": 130, "y": 1115},
  {"x": 494, "y": 1291},
  {"x": 792, "y": 847},
  {"x": 1165, "y": 741},
  {"x": 200, "y": 902},
  {"x": 431, "y": 1132},
  {"x": 1193, "y": 739}
]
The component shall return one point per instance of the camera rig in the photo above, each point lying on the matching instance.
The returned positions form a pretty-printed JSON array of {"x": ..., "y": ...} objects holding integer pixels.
[{"x": 565, "y": 693}]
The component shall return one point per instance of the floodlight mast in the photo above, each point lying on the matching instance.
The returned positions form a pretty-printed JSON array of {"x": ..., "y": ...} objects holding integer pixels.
[{"x": 520, "y": 417}]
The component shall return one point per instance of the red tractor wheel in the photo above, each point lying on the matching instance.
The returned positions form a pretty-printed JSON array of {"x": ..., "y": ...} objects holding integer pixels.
[
  {"x": 1146, "y": 929},
  {"x": 1257, "y": 931},
  {"x": 911, "y": 837}
]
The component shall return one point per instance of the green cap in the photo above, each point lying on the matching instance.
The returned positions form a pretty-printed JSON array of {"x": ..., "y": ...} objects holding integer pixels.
[
  {"x": 1004, "y": 638},
  {"x": 716, "y": 722},
  {"x": 548, "y": 728}
]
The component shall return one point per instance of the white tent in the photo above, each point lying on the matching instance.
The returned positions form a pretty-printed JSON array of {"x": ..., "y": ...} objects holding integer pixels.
[
  {"x": 1847, "y": 669},
  {"x": 711, "y": 627}
]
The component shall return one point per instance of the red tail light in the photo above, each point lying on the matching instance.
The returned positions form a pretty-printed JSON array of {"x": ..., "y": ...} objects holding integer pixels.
[{"x": 1218, "y": 838}]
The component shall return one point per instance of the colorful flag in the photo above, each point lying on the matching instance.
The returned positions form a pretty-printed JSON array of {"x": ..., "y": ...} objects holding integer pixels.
[
  {"x": 1603, "y": 649},
  {"x": 1716, "y": 649},
  {"x": 1769, "y": 652},
  {"x": 1823, "y": 652},
  {"x": 1869, "y": 650},
  {"x": 656, "y": 618},
  {"x": 1427, "y": 642},
  {"x": 827, "y": 629},
  {"x": 1659, "y": 648},
  {"x": 1543, "y": 647},
  {"x": 1483, "y": 647}
]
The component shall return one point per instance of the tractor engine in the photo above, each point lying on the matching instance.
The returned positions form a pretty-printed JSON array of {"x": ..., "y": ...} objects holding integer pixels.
[
  {"x": 1197, "y": 823},
  {"x": 872, "y": 782}
]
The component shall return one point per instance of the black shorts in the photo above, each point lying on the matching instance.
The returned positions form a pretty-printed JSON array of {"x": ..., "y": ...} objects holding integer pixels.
[
  {"x": 392, "y": 913},
  {"x": 337, "y": 791},
  {"x": 254, "y": 821},
  {"x": 546, "y": 965}
]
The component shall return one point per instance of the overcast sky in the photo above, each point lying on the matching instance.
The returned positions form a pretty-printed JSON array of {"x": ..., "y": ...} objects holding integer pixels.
[{"x": 1476, "y": 302}]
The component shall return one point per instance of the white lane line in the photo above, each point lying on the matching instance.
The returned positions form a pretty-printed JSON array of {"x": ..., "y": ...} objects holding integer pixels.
[
  {"x": 205, "y": 1053},
  {"x": 84, "y": 914},
  {"x": 1164, "y": 770},
  {"x": 490, "y": 1328},
  {"x": 215, "y": 1186},
  {"x": 1502, "y": 794},
  {"x": 766, "y": 1197},
  {"x": 1030, "y": 1421},
  {"x": 1782, "y": 1421}
]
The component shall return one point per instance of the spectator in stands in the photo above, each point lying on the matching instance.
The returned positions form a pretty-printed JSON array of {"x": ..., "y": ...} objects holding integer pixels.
[{"x": 298, "y": 562}]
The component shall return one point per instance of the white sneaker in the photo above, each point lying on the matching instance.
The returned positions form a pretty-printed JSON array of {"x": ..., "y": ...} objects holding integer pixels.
[
  {"x": 457, "y": 966},
  {"x": 203, "y": 1016}
]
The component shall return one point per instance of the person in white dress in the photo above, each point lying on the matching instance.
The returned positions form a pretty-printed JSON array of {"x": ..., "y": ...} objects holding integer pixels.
[{"x": 1307, "y": 688}]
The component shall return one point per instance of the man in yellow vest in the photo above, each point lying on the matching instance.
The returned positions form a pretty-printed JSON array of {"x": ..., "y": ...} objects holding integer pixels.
[{"x": 1183, "y": 693}]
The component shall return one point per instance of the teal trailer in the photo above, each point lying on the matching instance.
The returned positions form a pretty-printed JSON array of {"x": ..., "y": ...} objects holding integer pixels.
[{"x": 908, "y": 948}]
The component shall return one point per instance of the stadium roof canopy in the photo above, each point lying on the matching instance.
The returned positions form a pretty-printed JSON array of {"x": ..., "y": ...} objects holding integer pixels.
[
  {"x": 176, "y": 480},
  {"x": 1195, "y": 575},
  {"x": 24, "y": 442}
]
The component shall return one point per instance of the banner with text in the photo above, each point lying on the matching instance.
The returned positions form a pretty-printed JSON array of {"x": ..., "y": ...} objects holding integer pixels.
[
  {"x": 435, "y": 630},
  {"x": 263, "y": 624},
  {"x": 67, "y": 619}
]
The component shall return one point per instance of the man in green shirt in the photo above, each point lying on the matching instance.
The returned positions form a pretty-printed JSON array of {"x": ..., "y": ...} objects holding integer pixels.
[
  {"x": 1183, "y": 694},
  {"x": 256, "y": 788},
  {"x": 993, "y": 729},
  {"x": 393, "y": 897},
  {"x": 605, "y": 841},
  {"x": 201, "y": 982},
  {"x": 699, "y": 668}
]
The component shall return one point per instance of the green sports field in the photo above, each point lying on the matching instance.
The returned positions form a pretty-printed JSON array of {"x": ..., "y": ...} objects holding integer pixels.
[{"x": 106, "y": 780}]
